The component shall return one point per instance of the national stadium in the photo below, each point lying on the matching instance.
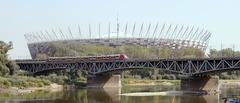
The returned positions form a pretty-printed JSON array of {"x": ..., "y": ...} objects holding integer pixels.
[{"x": 148, "y": 35}]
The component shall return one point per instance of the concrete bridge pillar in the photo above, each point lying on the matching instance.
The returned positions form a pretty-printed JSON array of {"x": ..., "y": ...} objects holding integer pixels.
[
  {"x": 207, "y": 84},
  {"x": 104, "y": 81}
]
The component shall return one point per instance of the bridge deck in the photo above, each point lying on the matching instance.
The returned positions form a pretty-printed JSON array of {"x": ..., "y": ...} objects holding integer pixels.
[{"x": 190, "y": 66}]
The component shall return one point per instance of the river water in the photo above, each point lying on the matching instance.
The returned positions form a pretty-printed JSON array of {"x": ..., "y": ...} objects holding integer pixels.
[{"x": 151, "y": 94}]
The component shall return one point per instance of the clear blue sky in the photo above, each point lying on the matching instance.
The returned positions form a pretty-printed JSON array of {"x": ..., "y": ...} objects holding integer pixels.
[{"x": 17, "y": 17}]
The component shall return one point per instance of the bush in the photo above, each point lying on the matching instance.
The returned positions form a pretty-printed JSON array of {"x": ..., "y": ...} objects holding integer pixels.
[
  {"x": 159, "y": 76},
  {"x": 4, "y": 83},
  {"x": 53, "y": 78},
  {"x": 224, "y": 76},
  {"x": 153, "y": 77},
  {"x": 46, "y": 82},
  {"x": 40, "y": 84},
  {"x": 127, "y": 76},
  {"x": 137, "y": 77},
  {"x": 22, "y": 81},
  {"x": 234, "y": 77},
  {"x": 172, "y": 77},
  {"x": 165, "y": 76}
]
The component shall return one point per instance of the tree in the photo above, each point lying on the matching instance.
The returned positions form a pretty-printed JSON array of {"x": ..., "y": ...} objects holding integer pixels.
[{"x": 6, "y": 66}]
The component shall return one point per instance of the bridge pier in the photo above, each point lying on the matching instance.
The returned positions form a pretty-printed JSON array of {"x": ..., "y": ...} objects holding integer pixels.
[
  {"x": 204, "y": 84},
  {"x": 104, "y": 81}
]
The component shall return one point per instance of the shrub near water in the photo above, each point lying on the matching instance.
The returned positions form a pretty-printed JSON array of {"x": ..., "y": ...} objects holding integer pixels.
[
  {"x": 4, "y": 83},
  {"x": 54, "y": 78},
  {"x": 22, "y": 81}
]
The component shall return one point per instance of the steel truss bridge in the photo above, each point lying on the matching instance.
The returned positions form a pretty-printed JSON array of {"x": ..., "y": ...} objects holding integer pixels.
[{"x": 189, "y": 67}]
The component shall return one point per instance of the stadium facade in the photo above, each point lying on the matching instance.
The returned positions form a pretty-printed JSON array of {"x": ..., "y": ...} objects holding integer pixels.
[{"x": 162, "y": 36}]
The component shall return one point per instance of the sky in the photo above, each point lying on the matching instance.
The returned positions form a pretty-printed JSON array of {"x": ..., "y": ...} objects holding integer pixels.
[{"x": 18, "y": 17}]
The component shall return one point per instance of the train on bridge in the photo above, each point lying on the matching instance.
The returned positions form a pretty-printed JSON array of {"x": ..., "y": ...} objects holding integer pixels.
[
  {"x": 90, "y": 58},
  {"x": 82, "y": 58}
]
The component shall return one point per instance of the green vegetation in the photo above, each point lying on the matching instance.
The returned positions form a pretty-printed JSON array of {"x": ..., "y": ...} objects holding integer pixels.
[
  {"x": 64, "y": 79},
  {"x": 7, "y": 67},
  {"x": 227, "y": 52},
  {"x": 32, "y": 96},
  {"x": 22, "y": 82},
  {"x": 9, "y": 76}
]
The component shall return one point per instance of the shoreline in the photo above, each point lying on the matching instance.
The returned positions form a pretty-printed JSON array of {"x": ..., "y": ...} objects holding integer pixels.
[
  {"x": 136, "y": 82},
  {"x": 125, "y": 83},
  {"x": 229, "y": 83},
  {"x": 20, "y": 91}
]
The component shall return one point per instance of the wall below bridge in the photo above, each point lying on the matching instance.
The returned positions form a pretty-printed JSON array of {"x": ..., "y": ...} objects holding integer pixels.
[
  {"x": 208, "y": 84},
  {"x": 104, "y": 81}
]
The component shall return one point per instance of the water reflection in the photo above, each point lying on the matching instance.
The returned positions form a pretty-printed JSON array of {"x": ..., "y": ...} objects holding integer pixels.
[
  {"x": 200, "y": 99},
  {"x": 111, "y": 95},
  {"x": 172, "y": 99},
  {"x": 36, "y": 97}
]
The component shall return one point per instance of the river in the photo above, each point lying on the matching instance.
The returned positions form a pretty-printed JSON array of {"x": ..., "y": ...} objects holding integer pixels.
[{"x": 150, "y": 94}]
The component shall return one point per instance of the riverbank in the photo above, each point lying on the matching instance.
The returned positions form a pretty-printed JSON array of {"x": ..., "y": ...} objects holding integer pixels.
[
  {"x": 53, "y": 87},
  {"x": 230, "y": 83},
  {"x": 18, "y": 91},
  {"x": 138, "y": 82},
  {"x": 26, "y": 84}
]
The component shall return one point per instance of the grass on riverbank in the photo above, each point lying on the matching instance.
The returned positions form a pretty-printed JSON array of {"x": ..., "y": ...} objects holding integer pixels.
[
  {"x": 143, "y": 82},
  {"x": 38, "y": 81},
  {"x": 231, "y": 81},
  {"x": 132, "y": 82},
  {"x": 64, "y": 80},
  {"x": 22, "y": 82}
]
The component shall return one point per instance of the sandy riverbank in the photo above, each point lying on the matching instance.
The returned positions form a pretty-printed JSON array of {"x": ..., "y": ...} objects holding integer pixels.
[
  {"x": 133, "y": 82},
  {"x": 18, "y": 91},
  {"x": 229, "y": 83}
]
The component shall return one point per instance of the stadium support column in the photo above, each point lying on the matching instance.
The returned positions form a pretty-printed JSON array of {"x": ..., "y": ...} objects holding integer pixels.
[
  {"x": 205, "y": 84},
  {"x": 104, "y": 80}
]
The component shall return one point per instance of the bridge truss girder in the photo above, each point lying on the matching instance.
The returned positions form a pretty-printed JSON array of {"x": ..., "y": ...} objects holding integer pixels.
[{"x": 188, "y": 67}]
